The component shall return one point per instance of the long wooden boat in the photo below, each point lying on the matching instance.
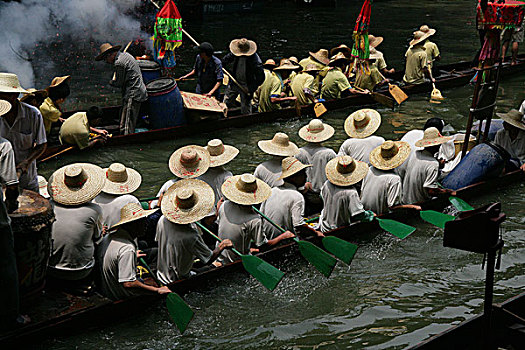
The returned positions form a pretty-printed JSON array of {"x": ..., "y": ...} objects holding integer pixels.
[
  {"x": 447, "y": 76},
  {"x": 56, "y": 313}
]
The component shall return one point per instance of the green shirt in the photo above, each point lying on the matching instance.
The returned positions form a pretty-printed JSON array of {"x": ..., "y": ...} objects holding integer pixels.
[
  {"x": 271, "y": 87},
  {"x": 303, "y": 81},
  {"x": 75, "y": 130},
  {"x": 368, "y": 81},
  {"x": 416, "y": 62},
  {"x": 334, "y": 83}
]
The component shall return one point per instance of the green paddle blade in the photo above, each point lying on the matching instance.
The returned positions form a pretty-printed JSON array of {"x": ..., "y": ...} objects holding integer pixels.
[
  {"x": 267, "y": 274},
  {"x": 396, "y": 228},
  {"x": 342, "y": 249},
  {"x": 435, "y": 218},
  {"x": 460, "y": 204},
  {"x": 180, "y": 313},
  {"x": 321, "y": 260}
]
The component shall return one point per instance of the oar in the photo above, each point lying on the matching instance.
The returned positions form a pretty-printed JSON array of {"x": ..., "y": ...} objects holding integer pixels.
[
  {"x": 397, "y": 93},
  {"x": 435, "y": 94},
  {"x": 436, "y": 218},
  {"x": 379, "y": 98},
  {"x": 180, "y": 312},
  {"x": 322, "y": 261},
  {"x": 267, "y": 274},
  {"x": 57, "y": 154},
  {"x": 396, "y": 228},
  {"x": 460, "y": 204},
  {"x": 319, "y": 109}
]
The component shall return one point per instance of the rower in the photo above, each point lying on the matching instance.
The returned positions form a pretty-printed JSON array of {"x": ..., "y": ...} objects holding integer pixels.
[
  {"x": 319, "y": 59},
  {"x": 304, "y": 87},
  {"x": 369, "y": 80},
  {"x": 431, "y": 48},
  {"x": 34, "y": 97},
  {"x": 345, "y": 50},
  {"x": 279, "y": 147},
  {"x": 208, "y": 68},
  {"x": 422, "y": 172},
  {"x": 23, "y": 126},
  {"x": 342, "y": 205},
  {"x": 128, "y": 78},
  {"x": 268, "y": 67},
  {"x": 417, "y": 60},
  {"x": 335, "y": 84},
  {"x": 237, "y": 220},
  {"x": 51, "y": 109},
  {"x": 377, "y": 56},
  {"x": 76, "y": 129},
  {"x": 360, "y": 126},
  {"x": 294, "y": 61},
  {"x": 273, "y": 89},
  {"x": 512, "y": 137},
  {"x": 119, "y": 264},
  {"x": 381, "y": 191}
]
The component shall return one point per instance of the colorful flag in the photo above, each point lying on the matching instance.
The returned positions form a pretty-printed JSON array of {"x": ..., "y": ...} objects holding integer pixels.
[
  {"x": 361, "y": 47},
  {"x": 167, "y": 34}
]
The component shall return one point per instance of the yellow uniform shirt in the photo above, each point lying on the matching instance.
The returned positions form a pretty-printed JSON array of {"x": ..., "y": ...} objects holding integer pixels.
[
  {"x": 309, "y": 60},
  {"x": 50, "y": 114},
  {"x": 380, "y": 62},
  {"x": 432, "y": 51},
  {"x": 334, "y": 83},
  {"x": 75, "y": 130},
  {"x": 416, "y": 62},
  {"x": 303, "y": 81},
  {"x": 271, "y": 87},
  {"x": 365, "y": 81}
]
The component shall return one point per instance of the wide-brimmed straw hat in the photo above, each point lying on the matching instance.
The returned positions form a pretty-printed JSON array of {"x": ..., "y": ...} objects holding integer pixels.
[
  {"x": 294, "y": 59},
  {"x": 432, "y": 137},
  {"x": 514, "y": 118},
  {"x": 279, "y": 145},
  {"x": 286, "y": 64},
  {"x": 132, "y": 212},
  {"x": 106, "y": 49},
  {"x": 419, "y": 37},
  {"x": 243, "y": 47},
  {"x": 427, "y": 30},
  {"x": 291, "y": 166},
  {"x": 374, "y": 54},
  {"x": 345, "y": 171},
  {"x": 269, "y": 63},
  {"x": 76, "y": 184},
  {"x": 187, "y": 201},
  {"x": 189, "y": 161},
  {"x": 362, "y": 123},
  {"x": 390, "y": 155},
  {"x": 321, "y": 56},
  {"x": 5, "y": 107},
  {"x": 42, "y": 94},
  {"x": 338, "y": 57},
  {"x": 220, "y": 153},
  {"x": 246, "y": 189},
  {"x": 121, "y": 180},
  {"x": 59, "y": 80},
  {"x": 316, "y": 131},
  {"x": 311, "y": 68},
  {"x": 42, "y": 186},
  {"x": 374, "y": 41},
  {"x": 9, "y": 83},
  {"x": 345, "y": 50}
]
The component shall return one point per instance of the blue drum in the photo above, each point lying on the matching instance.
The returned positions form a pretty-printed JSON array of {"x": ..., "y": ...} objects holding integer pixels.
[
  {"x": 150, "y": 70},
  {"x": 165, "y": 104}
]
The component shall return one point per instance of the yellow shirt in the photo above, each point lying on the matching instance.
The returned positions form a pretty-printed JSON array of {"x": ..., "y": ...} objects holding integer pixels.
[
  {"x": 309, "y": 60},
  {"x": 365, "y": 81},
  {"x": 303, "y": 81},
  {"x": 416, "y": 62},
  {"x": 380, "y": 62},
  {"x": 334, "y": 83},
  {"x": 75, "y": 130},
  {"x": 271, "y": 87},
  {"x": 432, "y": 51},
  {"x": 50, "y": 114}
]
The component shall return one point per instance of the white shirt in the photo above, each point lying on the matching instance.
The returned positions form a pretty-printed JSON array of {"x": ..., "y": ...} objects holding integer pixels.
[
  {"x": 285, "y": 207},
  {"x": 340, "y": 204},
  {"x": 381, "y": 190},
  {"x": 360, "y": 149},
  {"x": 215, "y": 177},
  {"x": 317, "y": 156},
  {"x": 422, "y": 173},
  {"x": 270, "y": 171},
  {"x": 522, "y": 107},
  {"x": 111, "y": 206},
  {"x": 163, "y": 189},
  {"x": 7, "y": 176},
  {"x": 516, "y": 147}
]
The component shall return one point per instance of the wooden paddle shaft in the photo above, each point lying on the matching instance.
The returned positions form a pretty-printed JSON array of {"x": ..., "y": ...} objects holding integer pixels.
[{"x": 216, "y": 237}]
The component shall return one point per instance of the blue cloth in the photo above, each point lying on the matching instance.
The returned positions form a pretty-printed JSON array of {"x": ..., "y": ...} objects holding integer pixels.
[{"x": 208, "y": 74}]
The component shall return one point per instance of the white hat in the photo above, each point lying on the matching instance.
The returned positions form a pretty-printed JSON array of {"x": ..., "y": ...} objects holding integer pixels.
[
  {"x": 9, "y": 83},
  {"x": 279, "y": 145}
]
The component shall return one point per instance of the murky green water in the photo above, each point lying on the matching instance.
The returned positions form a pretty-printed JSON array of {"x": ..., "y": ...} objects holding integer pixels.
[{"x": 395, "y": 293}]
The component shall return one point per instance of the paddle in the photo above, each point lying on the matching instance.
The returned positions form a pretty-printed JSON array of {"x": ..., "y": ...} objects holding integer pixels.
[
  {"x": 68, "y": 149},
  {"x": 379, "y": 98},
  {"x": 320, "y": 259},
  {"x": 460, "y": 204},
  {"x": 319, "y": 109},
  {"x": 180, "y": 312},
  {"x": 436, "y": 218},
  {"x": 267, "y": 274},
  {"x": 435, "y": 94},
  {"x": 396, "y": 92},
  {"x": 396, "y": 228}
]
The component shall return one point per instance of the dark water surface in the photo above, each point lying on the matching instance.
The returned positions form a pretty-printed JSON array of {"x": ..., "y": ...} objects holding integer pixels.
[{"x": 395, "y": 293}]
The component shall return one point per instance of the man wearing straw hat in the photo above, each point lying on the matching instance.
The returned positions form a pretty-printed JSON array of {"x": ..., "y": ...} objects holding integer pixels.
[
  {"x": 360, "y": 126},
  {"x": 23, "y": 126},
  {"x": 431, "y": 48},
  {"x": 377, "y": 57},
  {"x": 417, "y": 61},
  {"x": 512, "y": 137},
  {"x": 304, "y": 86},
  {"x": 51, "y": 109},
  {"x": 273, "y": 88},
  {"x": 186, "y": 202},
  {"x": 279, "y": 147},
  {"x": 34, "y": 97},
  {"x": 119, "y": 256},
  {"x": 76, "y": 130},
  {"x": 335, "y": 84},
  {"x": 319, "y": 59},
  {"x": 237, "y": 220}
]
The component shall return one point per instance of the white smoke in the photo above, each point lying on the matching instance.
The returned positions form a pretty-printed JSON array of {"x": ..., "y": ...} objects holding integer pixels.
[{"x": 29, "y": 23}]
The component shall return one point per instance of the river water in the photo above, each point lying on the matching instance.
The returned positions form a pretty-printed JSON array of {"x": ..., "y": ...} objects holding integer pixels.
[{"x": 395, "y": 293}]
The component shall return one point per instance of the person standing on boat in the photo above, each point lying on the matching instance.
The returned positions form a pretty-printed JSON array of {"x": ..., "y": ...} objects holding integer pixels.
[
  {"x": 417, "y": 61},
  {"x": 23, "y": 126},
  {"x": 208, "y": 68},
  {"x": 128, "y": 78},
  {"x": 51, "y": 109},
  {"x": 335, "y": 84},
  {"x": 76, "y": 129},
  {"x": 512, "y": 137},
  {"x": 180, "y": 243},
  {"x": 247, "y": 71},
  {"x": 279, "y": 147},
  {"x": 272, "y": 92},
  {"x": 514, "y": 36},
  {"x": 360, "y": 126},
  {"x": 238, "y": 222},
  {"x": 304, "y": 86}
]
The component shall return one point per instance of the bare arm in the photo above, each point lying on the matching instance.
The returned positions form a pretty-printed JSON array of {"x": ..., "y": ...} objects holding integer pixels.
[
  {"x": 138, "y": 284},
  {"x": 279, "y": 238},
  {"x": 212, "y": 91},
  {"x": 37, "y": 152},
  {"x": 282, "y": 99},
  {"x": 188, "y": 75},
  {"x": 440, "y": 191},
  {"x": 218, "y": 250}
]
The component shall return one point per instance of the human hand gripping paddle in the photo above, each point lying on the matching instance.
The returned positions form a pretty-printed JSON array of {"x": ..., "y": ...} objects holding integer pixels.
[
  {"x": 379, "y": 98},
  {"x": 396, "y": 92}
]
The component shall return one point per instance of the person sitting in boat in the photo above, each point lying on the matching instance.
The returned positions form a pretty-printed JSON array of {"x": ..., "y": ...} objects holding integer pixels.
[
  {"x": 294, "y": 61},
  {"x": 421, "y": 178},
  {"x": 342, "y": 205},
  {"x": 417, "y": 61},
  {"x": 316, "y": 155},
  {"x": 180, "y": 243},
  {"x": 335, "y": 84},
  {"x": 431, "y": 48},
  {"x": 76, "y": 129},
  {"x": 279, "y": 147},
  {"x": 360, "y": 126},
  {"x": 319, "y": 59},
  {"x": 273, "y": 89},
  {"x": 345, "y": 50},
  {"x": 238, "y": 222},
  {"x": 208, "y": 68},
  {"x": 512, "y": 138},
  {"x": 128, "y": 78},
  {"x": 51, "y": 109},
  {"x": 34, "y": 97},
  {"x": 119, "y": 263},
  {"x": 78, "y": 225},
  {"x": 304, "y": 86},
  {"x": 377, "y": 58},
  {"x": 381, "y": 189},
  {"x": 369, "y": 80},
  {"x": 268, "y": 66}
]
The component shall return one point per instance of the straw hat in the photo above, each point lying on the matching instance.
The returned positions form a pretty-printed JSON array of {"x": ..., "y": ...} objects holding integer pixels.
[
  {"x": 243, "y": 47},
  {"x": 187, "y": 201},
  {"x": 321, "y": 56},
  {"x": 338, "y": 57},
  {"x": 286, "y": 64},
  {"x": 220, "y": 153},
  {"x": 270, "y": 63},
  {"x": 189, "y": 161},
  {"x": 514, "y": 118},
  {"x": 425, "y": 29},
  {"x": 294, "y": 59},
  {"x": 59, "y": 80},
  {"x": 345, "y": 171},
  {"x": 121, "y": 180},
  {"x": 432, "y": 137},
  {"x": 43, "y": 94},
  {"x": 390, "y": 155},
  {"x": 362, "y": 123},
  {"x": 106, "y": 49},
  {"x": 291, "y": 166},
  {"x": 132, "y": 212},
  {"x": 279, "y": 145},
  {"x": 42, "y": 186},
  {"x": 419, "y": 37},
  {"x": 76, "y": 184},
  {"x": 341, "y": 48},
  {"x": 311, "y": 68},
  {"x": 246, "y": 189},
  {"x": 374, "y": 41},
  {"x": 316, "y": 131},
  {"x": 5, "y": 107},
  {"x": 9, "y": 83}
]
